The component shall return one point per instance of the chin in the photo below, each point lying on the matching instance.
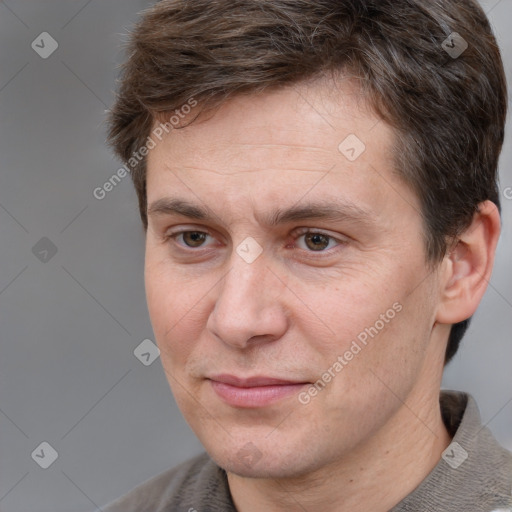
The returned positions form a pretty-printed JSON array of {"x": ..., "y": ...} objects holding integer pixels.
[
  {"x": 265, "y": 460},
  {"x": 264, "y": 468}
]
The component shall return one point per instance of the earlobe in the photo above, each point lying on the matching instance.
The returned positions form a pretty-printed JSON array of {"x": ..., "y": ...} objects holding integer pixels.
[{"x": 468, "y": 266}]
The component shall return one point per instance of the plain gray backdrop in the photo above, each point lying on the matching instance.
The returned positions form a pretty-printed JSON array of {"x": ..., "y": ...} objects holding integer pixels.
[{"x": 72, "y": 302}]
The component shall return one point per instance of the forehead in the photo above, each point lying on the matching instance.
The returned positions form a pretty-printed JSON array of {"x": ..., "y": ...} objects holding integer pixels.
[
  {"x": 305, "y": 139},
  {"x": 304, "y": 121}
]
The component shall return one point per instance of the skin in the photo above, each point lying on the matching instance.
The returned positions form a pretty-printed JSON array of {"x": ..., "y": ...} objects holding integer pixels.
[{"x": 374, "y": 432}]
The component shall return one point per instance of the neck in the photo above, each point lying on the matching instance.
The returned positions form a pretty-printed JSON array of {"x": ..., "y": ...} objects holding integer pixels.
[{"x": 375, "y": 475}]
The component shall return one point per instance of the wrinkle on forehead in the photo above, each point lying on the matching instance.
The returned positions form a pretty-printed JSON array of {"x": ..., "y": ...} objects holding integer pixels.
[
  {"x": 283, "y": 146},
  {"x": 246, "y": 171},
  {"x": 231, "y": 158}
]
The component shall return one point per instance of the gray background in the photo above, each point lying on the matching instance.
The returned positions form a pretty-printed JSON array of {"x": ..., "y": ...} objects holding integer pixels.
[{"x": 68, "y": 374}]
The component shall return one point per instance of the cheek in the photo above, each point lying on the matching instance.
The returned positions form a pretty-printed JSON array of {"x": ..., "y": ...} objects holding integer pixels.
[
  {"x": 347, "y": 312},
  {"x": 176, "y": 312},
  {"x": 376, "y": 325}
]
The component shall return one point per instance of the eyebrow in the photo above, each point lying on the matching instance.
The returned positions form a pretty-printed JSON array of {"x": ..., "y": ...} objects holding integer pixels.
[{"x": 324, "y": 210}]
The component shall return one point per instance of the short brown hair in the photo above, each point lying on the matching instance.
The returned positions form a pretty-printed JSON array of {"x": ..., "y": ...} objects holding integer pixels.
[{"x": 448, "y": 111}]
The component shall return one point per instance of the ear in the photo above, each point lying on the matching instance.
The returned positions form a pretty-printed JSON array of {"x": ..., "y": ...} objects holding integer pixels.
[{"x": 467, "y": 268}]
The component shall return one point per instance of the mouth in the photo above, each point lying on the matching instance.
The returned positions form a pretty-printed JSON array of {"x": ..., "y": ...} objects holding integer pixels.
[{"x": 253, "y": 392}]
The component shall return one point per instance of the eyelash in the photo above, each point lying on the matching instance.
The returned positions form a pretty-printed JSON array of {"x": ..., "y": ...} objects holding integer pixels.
[{"x": 300, "y": 232}]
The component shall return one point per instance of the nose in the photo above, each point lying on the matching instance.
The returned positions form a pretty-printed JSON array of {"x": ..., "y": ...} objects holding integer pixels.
[{"x": 248, "y": 309}]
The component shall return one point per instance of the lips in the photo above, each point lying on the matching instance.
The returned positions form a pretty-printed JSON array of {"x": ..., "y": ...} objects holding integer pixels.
[{"x": 252, "y": 392}]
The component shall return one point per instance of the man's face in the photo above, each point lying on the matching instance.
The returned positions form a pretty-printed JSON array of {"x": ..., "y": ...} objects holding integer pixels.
[{"x": 245, "y": 335}]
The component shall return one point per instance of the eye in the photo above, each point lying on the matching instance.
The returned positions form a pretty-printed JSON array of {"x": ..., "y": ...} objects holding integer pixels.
[
  {"x": 191, "y": 239},
  {"x": 316, "y": 241}
]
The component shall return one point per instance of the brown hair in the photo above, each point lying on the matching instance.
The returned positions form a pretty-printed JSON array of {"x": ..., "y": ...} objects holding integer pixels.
[{"x": 448, "y": 111}]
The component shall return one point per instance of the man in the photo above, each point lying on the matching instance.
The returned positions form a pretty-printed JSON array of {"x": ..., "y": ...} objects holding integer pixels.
[{"x": 317, "y": 182}]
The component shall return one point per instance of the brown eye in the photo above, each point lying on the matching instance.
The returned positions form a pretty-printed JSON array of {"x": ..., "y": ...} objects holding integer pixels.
[
  {"x": 194, "y": 238},
  {"x": 317, "y": 241}
]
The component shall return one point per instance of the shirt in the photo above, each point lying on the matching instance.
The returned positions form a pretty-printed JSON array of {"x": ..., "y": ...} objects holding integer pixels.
[{"x": 473, "y": 475}]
